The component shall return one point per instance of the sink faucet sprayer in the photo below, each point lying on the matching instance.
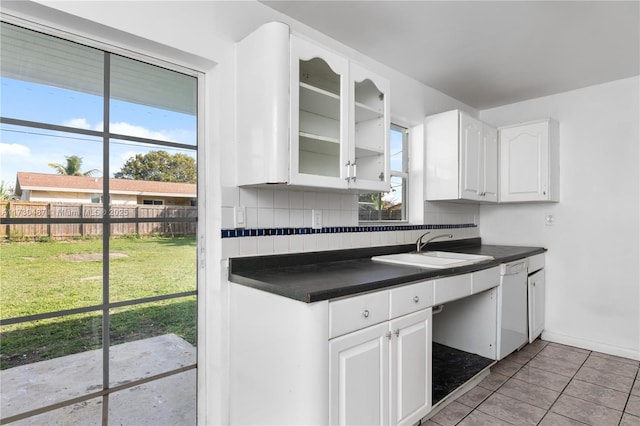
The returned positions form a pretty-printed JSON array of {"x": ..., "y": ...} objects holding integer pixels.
[{"x": 420, "y": 245}]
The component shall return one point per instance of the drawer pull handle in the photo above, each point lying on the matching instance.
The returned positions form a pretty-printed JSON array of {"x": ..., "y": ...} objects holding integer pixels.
[
  {"x": 416, "y": 299},
  {"x": 365, "y": 313}
]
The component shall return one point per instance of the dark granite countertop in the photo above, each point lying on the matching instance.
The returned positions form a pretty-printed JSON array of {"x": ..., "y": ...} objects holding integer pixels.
[{"x": 312, "y": 277}]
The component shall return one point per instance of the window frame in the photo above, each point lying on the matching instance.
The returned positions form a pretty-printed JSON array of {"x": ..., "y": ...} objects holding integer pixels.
[{"x": 403, "y": 174}]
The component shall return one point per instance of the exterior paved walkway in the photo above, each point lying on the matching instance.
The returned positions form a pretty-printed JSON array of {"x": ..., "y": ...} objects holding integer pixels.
[{"x": 168, "y": 401}]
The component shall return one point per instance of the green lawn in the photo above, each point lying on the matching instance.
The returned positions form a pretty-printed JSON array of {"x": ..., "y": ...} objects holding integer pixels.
[{"x": 51, "y": 276}]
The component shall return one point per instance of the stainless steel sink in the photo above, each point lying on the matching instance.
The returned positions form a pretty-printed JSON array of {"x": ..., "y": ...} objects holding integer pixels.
[{"x": 432, "y": 259}]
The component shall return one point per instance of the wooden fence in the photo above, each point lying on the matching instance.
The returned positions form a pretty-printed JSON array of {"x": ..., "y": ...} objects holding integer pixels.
[{"x": 132, "y": 220}]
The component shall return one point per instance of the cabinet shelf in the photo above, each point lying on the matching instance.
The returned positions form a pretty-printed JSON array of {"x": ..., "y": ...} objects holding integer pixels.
[
  {"x": 319, "y": 101},
  {"x": 319, "y": 144},
  {"x": 368, "y": 152},
  {"x": 365, "y": 112},
  {"x": 319, "y": 137}
]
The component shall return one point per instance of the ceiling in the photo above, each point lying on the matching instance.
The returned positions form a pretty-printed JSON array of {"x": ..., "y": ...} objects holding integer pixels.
[{"x": 487, "y": 53}]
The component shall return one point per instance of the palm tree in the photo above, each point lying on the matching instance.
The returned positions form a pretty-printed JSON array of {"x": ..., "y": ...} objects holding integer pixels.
[{"x": 72, "y": 168}]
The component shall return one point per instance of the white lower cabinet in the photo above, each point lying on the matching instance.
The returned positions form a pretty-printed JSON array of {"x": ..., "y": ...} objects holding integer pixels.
[
  {"x": 382, "y": 374},
  {"x": 410, "y": 368},
  {"x": 364, "y": 359},
  {"x": 536, "y": 290},
  {"x": 359, "y": 377}
]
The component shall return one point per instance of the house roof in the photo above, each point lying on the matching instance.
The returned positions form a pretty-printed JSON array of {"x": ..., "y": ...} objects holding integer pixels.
[{"x": 63, "y": 183}]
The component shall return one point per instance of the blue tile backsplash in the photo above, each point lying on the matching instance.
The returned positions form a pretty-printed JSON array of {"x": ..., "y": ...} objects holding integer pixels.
[{"x": 259, "y": 232}]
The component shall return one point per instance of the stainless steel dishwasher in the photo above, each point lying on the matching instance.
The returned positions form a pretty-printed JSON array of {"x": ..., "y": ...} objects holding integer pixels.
[{"x": 512, "y": 299}]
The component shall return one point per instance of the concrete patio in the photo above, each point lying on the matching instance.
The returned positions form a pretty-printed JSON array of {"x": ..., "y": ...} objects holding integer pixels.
[{"x": 167, "y": 401}]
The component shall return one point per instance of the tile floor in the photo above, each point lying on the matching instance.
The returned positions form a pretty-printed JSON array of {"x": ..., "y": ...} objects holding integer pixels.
[{"x": 551, "y": 384}]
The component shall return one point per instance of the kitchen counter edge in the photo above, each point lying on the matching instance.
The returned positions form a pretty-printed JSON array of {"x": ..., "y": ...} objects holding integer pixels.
[{"x": 324, "y": 275}]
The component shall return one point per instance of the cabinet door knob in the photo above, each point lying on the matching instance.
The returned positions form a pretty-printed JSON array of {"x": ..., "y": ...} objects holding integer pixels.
[
  {"x": 416, "y": 299},
  {"x": 397, "y": 332},
  {"x": 365, "y": 313}
]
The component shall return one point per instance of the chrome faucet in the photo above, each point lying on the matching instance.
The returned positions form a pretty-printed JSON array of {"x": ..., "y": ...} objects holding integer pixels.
[{"x": 420, "y": 245}]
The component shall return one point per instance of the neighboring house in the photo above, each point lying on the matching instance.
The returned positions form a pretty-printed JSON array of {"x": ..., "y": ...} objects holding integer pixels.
[{"x": 84, "y": 189}]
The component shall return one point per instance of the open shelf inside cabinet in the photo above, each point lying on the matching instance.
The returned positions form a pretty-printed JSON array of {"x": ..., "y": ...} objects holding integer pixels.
[
  {"x": 319, "y": 101},
  {"x": 370, "y": 136},
  {"x": 368, "y": 96},
  {"x": 365, "y": 112},
  {"x": 319, "y": 156}
]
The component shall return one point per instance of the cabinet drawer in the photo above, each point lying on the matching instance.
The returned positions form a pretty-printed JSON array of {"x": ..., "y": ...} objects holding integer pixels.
[
  {"x": 411, "y": 298},
  {"x": 451, "y": 288},
  {"x": 536, "y": 263},
  {"x": 358, "y": 312},
  {"x": 483, "y": 280}
]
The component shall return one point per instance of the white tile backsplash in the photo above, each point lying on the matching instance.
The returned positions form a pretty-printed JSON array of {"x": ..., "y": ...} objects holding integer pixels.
[
  {"x": 252, "y": 217},
  {"x": 281, "y": 217},
  {"x": 267, "y": 208},
  {"x": 296, "y": 244},
  {"x": 296, "y": 218},
  {"x": 265, "y": 217},
  {"x": 265, "y": 245},
  {"x": 281, "y": 244},
  {"x": 265, "y": 198},
  {"x": 310, "y": 200},
  {"x": 296, "y": 200},
  {"x": 322, "y": 200},
  {"x": 248, "y": 246},
  {"x": 248, "y": 197},
  {"x": 283, "y": 209},
  {"x": 448, "y": 213},
  {"x": 281, "y": 199}
]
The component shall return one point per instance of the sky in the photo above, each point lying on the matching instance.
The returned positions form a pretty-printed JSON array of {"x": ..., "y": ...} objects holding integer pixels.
[{"x": 31, "y": 149}]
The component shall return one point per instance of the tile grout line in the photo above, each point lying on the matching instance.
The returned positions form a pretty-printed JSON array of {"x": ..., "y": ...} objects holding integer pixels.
[
  {"x": 605, "y": 387},
  {"x": 565, "y": 388},
  {"x": 562, "y": 392},
  {"x": 629, "y": 396},
  {"x": 591, "y": 402},
  {"x": 496, "y": 390}
]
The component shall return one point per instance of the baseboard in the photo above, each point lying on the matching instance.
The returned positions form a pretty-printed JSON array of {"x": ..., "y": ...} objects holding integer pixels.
[{"x": 591, "y": 345}]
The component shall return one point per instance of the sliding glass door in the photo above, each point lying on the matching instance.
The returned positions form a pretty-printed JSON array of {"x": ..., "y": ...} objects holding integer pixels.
[{"x": 98, "y": 223}]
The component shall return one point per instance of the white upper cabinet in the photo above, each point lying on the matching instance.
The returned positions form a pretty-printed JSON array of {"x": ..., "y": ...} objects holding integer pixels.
[
  {"x": 369, "y": 129},
  {"x": 318, "y": 117},
  {"x": 309, "y": 117},
  {"x": 461, "y": 158},
  {"x": 529, "y": 162}
]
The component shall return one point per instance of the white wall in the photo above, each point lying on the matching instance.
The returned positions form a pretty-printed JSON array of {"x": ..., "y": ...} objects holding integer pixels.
[{"x": 593, "y": 279}]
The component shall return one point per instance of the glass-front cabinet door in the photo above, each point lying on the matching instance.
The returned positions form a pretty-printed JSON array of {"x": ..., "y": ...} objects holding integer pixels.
[
  {"x": 319, "y": 130},
  {"x": 369, "y": 130}
]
